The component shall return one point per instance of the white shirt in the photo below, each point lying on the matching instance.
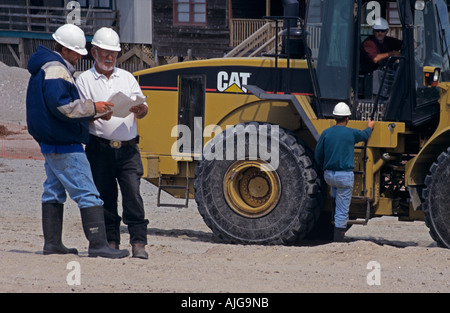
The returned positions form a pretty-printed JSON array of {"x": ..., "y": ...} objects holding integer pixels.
[{"x": 97, "y": 87}]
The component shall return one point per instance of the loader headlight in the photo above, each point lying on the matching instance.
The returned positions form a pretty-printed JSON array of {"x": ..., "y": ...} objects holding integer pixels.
[
  {"x": 436, "y": 75},
  {"x": 431, "y": 75}
]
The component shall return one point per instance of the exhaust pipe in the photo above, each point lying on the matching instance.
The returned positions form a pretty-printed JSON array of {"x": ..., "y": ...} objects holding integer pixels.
[
  {"x": 290, "y": 8},
  {"x": 295, "y": 44}
]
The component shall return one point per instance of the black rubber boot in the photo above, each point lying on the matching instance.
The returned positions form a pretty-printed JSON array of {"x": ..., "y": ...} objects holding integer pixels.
[
  {"x": 94, "y": 229},
  {"x": 339, "y": 234},
  {"x": 52, "y": 223}
]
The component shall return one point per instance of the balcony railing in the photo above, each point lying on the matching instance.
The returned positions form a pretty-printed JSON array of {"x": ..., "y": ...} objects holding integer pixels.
[
  {"x": 41, "y": 19},
  {"x": 241, "y": 29},
  {"x": 251, "y": 37}
]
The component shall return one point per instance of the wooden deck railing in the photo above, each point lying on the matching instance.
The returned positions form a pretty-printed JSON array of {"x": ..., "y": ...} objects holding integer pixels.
[
  {"x": 241, "y": 29},
  {"x": 261, "y": 40},
  {"x": 252, "y": 37},
  {"x": 48, "y": 19}
]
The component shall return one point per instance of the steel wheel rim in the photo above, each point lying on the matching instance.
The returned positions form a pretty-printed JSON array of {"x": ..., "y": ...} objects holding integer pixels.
[{"x": 252, "y": 188}]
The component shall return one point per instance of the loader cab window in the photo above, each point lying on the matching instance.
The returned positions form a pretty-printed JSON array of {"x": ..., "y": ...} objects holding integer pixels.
[
  {"x": 430, "y": 45},
  {"x": 380, "y": 32},
  {"x": 330, "y": 41}
]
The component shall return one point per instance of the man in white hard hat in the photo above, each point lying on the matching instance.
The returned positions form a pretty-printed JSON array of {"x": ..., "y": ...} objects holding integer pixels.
[
  {"x": 112, "y": 151},
  {"x": 379, "y": 46},
  {"x": 58, "y": 120},
  {"x": 335, "y": 155}
]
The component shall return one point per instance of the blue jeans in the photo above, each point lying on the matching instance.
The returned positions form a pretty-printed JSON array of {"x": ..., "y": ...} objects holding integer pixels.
[
  {"x": 69, "y": 172},
  {"x": 341, "y": 191}
]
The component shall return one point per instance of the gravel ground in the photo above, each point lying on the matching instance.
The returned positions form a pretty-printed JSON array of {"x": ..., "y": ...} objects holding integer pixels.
[
  {"x": 186, "y": 257},
  {"x": 384, "y": 256}
]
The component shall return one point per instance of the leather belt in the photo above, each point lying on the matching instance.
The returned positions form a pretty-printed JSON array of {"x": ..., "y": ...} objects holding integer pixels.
[{"x": 117, "y": 144}]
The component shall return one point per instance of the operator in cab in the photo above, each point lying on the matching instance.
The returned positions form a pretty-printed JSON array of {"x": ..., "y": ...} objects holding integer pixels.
[{"x": 378, "y": 47}]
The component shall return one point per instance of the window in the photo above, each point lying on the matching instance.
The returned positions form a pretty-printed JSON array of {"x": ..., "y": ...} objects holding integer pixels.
[
  {"x": 392, "y": 13},
  {"x": 98, "y": 4},
  {"x": 191, "y": 102},
  {"x": 189, "y": 12},
  {"x": 330, "y": 42},
  {"x": 430, "y": 42}
]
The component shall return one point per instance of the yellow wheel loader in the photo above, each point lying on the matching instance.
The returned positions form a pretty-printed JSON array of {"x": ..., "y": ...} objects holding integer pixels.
[{"x": 238, "y": 134}]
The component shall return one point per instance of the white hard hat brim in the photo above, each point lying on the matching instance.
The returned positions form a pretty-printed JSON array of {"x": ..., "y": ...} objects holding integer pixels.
[
  {"x": 379, "y": 27},
  {"x": 81, "y": 51},
  {"x": 342, "y": 115},
  {"x": 105, "y": 47}
]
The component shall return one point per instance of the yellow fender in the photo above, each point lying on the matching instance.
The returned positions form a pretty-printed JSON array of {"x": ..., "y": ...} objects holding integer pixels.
[{"x": 418, "y": 167}]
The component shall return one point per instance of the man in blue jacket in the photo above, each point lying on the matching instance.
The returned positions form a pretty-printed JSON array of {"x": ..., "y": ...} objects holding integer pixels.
[
  {"x": 59, "y": 121},
  {"x": 335, "y": 155}
]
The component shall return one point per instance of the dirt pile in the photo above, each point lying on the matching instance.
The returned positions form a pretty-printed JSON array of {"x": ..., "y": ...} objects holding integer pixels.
[{"x": 13, "y": 91}]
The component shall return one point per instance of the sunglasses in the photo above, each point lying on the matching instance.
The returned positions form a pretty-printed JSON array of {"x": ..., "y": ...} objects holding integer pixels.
[{"x": 380, "y": 30}]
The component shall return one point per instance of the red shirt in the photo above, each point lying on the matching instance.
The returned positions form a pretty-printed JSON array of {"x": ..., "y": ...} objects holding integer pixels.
[{"x": 371, "y": 47}]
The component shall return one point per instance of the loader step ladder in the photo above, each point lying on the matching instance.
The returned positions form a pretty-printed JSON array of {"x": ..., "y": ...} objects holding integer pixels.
[
  {"x": 364, "y": 198},
  {"x": 366, "y": 219},
  {"x": 162, "y": 187}
]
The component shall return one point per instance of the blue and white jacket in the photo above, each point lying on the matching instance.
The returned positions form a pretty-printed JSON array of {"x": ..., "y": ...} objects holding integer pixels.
[{"x": 56, "y": 116}]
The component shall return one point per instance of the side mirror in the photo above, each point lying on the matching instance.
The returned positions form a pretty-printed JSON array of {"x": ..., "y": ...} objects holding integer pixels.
[
  {"x": 419, "y": 5},
  {"x": 431, "y": 76}
]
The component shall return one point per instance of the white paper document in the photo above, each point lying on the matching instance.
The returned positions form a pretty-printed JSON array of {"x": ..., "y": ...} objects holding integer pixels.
[{"x": 122, "y": 104}]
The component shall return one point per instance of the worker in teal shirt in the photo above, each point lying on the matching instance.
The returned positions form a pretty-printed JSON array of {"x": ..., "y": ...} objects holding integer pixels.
[{"x": 335, "y": 155}]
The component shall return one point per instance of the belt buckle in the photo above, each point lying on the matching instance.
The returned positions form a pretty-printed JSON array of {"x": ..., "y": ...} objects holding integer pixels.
[{"x": 115, "y": 144}]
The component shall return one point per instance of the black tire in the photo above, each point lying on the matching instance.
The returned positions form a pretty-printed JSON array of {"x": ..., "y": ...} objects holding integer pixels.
[
  {"x": 289, "y": 204},
  {"x": 436, "y": 206}
]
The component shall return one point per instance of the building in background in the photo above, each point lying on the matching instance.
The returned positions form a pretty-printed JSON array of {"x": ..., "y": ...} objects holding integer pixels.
[{"x": 152, "y": 32}]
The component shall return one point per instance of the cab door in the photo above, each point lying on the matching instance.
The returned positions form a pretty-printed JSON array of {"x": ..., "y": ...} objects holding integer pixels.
[{"x": 331, "y": 27}]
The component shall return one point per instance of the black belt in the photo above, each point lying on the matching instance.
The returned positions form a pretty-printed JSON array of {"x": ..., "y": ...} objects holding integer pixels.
[{"x": 117, "y": 144}]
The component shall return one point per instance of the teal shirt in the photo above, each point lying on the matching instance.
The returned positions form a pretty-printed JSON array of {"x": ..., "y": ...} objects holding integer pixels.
[{"x": 335, "y": 150}]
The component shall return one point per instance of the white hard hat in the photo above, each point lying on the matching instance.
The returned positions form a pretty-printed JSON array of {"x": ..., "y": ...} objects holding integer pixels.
[
  {"x": 106, "y": 38},
  {"x": 71, "y": 37},
  {"x": 341, "y": 109},
  {"x": 380, "y": 24}
]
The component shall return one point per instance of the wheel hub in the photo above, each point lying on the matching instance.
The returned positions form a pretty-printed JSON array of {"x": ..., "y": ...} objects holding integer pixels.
[
  {"x": 252, "y": 188},
  {"x": 258, "y": 187}
]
